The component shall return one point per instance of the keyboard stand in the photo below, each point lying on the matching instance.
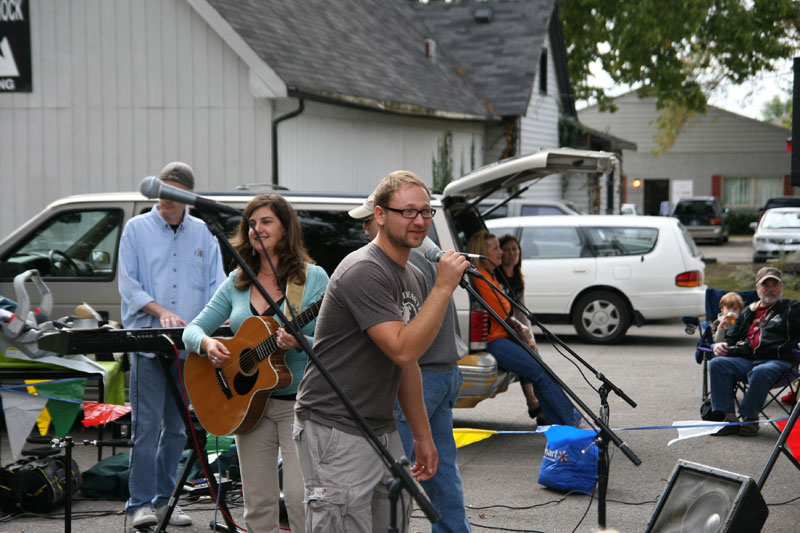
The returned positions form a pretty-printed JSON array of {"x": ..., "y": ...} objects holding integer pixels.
[{"x": 164, "y": 360}]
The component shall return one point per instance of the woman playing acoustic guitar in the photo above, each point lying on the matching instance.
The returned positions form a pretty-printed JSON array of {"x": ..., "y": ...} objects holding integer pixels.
[{"x": 274, "y": 222}]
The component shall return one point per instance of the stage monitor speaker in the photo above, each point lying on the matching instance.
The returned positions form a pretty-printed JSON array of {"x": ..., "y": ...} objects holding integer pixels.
[{"x": 701, "y": 499}]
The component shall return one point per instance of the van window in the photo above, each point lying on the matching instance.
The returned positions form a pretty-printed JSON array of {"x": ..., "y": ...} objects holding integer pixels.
[
  {"x": 612, "y": 241},
  {"x": 71, "y": 244},
  {"x": 541, "y": 210},
  {"x": 500, "y": 212},
  {"x": 550, "y": 242},
  {"x": 328, "y": 235}
]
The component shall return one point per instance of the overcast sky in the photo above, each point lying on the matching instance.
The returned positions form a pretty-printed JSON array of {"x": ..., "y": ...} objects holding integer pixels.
[{"x": 747, "y": 99}]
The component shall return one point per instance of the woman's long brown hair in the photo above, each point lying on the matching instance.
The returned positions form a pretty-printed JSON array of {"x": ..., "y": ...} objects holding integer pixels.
[{"x": 290, "y": 250}]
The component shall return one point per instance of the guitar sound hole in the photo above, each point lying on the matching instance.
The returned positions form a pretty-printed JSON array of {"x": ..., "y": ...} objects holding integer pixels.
[
  {"x": 248, "y": 362},
  {"x": 244, "y": 384}
]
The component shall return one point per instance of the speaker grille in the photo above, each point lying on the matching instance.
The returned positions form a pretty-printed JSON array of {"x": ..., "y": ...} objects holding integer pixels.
[{"x": 701, "y": 499}]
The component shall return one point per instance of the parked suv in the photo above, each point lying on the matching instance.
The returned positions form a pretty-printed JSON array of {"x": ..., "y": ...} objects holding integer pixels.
[
  {"x": 780, "y": 201},
  {"x": 74, "y": 241},
  {"x": 703, "y": 218},
  {"x": 603, "y": 273}
]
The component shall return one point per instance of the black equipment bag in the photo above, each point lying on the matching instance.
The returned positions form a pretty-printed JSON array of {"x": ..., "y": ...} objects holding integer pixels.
[{"x": 36, "y": 484}]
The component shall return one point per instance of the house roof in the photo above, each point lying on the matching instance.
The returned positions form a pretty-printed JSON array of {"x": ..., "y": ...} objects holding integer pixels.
[
  {"x": 366, "y": 53},
  {"x": 500, "y": 57}
]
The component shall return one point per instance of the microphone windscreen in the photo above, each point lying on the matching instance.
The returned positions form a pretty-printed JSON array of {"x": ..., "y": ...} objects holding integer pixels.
[
  {"x": 433, "y": 254},
  {"x": 150, "y": 187}
]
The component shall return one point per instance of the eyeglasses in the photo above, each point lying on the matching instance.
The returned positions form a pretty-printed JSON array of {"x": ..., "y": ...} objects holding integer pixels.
[{"x": 412, "y": 213}]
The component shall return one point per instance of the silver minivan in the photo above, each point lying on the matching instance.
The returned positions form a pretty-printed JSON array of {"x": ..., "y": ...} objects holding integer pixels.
[{"x": 73, "y": 242}]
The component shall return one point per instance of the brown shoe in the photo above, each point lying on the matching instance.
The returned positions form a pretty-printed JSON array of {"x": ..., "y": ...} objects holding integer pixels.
[
  {"x": 727, "y": 430},
  {"x": 749, "y": 429}
]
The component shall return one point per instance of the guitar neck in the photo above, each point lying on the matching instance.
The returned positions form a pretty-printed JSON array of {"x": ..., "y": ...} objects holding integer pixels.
[
  {"x": 270, "y": 344},
  {"x": 304, "y": 318}
]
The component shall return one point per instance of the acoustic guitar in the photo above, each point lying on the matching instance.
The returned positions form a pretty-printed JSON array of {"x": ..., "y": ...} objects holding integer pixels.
[{"x": 232, "y": 398}]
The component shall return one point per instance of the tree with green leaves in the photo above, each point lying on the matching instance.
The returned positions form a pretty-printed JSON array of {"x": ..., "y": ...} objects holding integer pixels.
[
  {"x": 443, "y": 161},
  {"x": 676, "y": 51},
  {"x": 778, "y": 109}
]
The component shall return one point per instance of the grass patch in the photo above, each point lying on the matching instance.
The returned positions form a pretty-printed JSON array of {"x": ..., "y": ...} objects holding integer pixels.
[{"x": 738, "y": 277}]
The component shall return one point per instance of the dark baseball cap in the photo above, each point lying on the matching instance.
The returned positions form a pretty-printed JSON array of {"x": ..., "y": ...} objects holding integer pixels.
[
  {"x": 179, "y": 173},
  {"x": 768, "y": 272}
]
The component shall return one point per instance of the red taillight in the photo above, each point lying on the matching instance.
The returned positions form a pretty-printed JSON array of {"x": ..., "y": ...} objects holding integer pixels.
[
  {"x": 714, "y": 221},
  {"x": 693, "y": 278},
  {"x": 478, "y": 330}
]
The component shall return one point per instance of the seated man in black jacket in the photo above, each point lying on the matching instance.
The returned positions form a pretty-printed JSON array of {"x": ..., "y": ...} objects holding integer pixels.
[{"x": 757, "y": 350}]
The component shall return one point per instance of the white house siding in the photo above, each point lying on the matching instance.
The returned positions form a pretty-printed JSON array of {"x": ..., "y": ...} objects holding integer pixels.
[
  {"x": 331, "y": 148},
  {"x": 539, "y": 127},
  {"x": 717, "y": 143},
  {"x": 121, "y": 87}
]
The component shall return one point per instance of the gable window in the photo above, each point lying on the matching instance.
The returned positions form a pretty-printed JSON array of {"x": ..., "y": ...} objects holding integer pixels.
[
  {"x": 750, "y": 191},
  {"x": 543, "y": 72}
]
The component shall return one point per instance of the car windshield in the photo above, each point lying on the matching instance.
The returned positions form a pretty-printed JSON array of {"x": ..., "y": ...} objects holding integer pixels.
[{"x": 781, "y": 220}]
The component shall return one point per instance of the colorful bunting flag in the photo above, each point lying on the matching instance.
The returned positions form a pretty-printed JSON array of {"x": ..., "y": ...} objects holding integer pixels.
[
  {"x": 95, "y": 414},
  {"x": 465, "y": 436},
  {"x": 21, "y": 411},
  {"x": 64, "y": 403},
  {"x": 43, "y": 422}
]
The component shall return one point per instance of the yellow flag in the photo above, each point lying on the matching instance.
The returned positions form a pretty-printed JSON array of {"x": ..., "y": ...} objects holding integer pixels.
[
  {"x": 43, "y": 422},
  {"x": 464, "y": 436}
]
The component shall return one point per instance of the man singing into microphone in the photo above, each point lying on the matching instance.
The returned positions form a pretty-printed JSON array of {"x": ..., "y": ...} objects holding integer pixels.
[
  {"x": 170, "y": 266},
  {"x": 441, "y": 381},
  {"x": 371, "y": 331}
]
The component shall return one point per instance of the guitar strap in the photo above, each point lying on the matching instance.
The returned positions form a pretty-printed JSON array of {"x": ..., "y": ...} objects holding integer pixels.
[{"x": 294, "y": 295}]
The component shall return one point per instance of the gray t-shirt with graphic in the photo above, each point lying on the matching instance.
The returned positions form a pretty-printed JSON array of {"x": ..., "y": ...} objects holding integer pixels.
[
  {"x": 367, "y": 288},
  {"x": 448, "y": 347}
]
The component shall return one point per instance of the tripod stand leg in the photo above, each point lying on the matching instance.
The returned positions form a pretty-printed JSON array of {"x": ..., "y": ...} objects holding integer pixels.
[{"x": 176, "y": 492}]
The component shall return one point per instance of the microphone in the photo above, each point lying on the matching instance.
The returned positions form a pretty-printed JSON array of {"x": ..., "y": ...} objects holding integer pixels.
[
  {"x": 152, "y": 187},
  {"x": 434, "y": 254}
]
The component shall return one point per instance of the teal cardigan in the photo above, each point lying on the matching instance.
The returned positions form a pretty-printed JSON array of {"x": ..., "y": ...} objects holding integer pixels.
[{"x": 230, "y": 303}]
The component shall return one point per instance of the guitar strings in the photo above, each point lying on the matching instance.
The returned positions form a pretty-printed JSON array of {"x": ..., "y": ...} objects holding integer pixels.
[{"x": 265, "y": 348}]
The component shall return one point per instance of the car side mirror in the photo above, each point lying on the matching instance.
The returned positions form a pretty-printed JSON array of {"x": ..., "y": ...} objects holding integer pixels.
[
  {"x": 100, "y": 258},
  {"x": 754, "y": 225}
]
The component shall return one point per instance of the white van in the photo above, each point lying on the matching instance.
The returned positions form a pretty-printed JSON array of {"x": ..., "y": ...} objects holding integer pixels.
[
  {"x": 604, "y": 272},
  {"x": 73, "y": 242}
]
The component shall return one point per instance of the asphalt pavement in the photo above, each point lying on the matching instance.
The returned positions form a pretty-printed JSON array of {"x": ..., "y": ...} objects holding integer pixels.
[
  {"x": 655, "y": 367},
  {"x": 738, "y": 249}
]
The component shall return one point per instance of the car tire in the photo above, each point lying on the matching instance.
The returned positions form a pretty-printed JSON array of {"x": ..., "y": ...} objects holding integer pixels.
[
  {"x": 601, "y": 317},
  {"x": 758, "y": 258}
]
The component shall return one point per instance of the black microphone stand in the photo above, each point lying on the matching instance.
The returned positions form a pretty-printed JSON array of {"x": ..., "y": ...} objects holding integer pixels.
[
  {"x": 402, "y": 478},
  {"x": 605, "y": 434}
]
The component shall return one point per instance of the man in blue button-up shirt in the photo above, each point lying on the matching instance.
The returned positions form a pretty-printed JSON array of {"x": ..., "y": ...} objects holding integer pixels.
[{"x": 170, "y": 266}]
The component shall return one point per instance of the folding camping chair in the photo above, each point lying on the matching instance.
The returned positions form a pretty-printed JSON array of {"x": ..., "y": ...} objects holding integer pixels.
[{"x": 788, "y": 382}]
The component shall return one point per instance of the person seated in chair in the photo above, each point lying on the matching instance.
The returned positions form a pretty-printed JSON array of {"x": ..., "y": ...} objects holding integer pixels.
[
  {"x": 510, "y": 356},
  {"x": 731, "y": 305},
  {"x": 757, "y": 350}
]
